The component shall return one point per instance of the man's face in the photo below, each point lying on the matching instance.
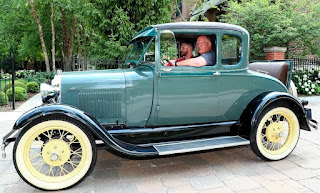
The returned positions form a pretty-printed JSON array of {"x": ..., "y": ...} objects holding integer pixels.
[
  {"x": 184, "y": 49},
  {"x": 203, "y": 45}
]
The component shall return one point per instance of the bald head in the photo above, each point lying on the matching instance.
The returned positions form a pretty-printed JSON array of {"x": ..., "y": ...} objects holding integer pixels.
[{"x": 203, "y": 44}]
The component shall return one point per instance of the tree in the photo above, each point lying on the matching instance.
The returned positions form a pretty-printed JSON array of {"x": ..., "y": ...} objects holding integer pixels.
[
  {"x": 40, "y": 35},
  {"x": 111, "y": 24},
  {"x": 277, "y": 23},
  {"x": 53, "y": 51},
  {"x": 93, "y": 29}
]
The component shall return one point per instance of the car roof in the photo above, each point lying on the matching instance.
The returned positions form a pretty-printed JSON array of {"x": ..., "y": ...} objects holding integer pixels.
[
  {"x": 151, "y": 30},
  {"x": 199, "y": 25}
]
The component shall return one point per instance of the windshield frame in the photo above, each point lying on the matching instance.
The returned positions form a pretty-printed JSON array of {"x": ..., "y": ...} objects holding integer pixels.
[{"x": 143, "y": 39}]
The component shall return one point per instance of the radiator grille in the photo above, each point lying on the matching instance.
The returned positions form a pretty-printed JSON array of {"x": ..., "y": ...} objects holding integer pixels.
[{"x": 101, "y": 105}]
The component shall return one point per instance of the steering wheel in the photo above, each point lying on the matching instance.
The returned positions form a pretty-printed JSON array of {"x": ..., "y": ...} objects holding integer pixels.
[
  {"x": 168, "y": 63},
  {"x": 134, "y": 62}
]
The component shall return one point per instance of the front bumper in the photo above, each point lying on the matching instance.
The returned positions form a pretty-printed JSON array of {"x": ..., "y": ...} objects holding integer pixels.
[{"x": 10, "y": 137}]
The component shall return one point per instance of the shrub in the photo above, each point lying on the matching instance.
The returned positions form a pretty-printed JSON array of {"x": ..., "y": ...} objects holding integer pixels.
[
  {"x": 21, "y": 80},
  {"x": 19, "y": 92},
  {"x": 5, "y": 76},
  {"x": 47, "y": 75},
  {"x": 38, "y": 77},
  {"x": 24, "y": 73},
  {"x": 307, "y": 82},
  {"x": 16, "y": 84},
  {"x": 3, "y": 98},
  {"x": 33, "y": 86}
]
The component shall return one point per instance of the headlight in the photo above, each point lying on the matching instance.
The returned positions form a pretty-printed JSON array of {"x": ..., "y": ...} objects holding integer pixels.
[{"x": 49, "y": 94}]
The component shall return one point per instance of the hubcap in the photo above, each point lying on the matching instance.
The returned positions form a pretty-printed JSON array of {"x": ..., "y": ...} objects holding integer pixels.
[
  {"x": 56, "y": 152},
  {"x": 274, "y": 132}
]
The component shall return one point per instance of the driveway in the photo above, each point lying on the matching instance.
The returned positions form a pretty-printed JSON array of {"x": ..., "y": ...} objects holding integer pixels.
[{"x": 225, "y": 170}]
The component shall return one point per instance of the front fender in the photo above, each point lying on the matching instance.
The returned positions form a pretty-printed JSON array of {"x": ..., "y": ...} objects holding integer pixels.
[
  {"x": 252, "y": 112},
  {"x": 90, "y": 122}
]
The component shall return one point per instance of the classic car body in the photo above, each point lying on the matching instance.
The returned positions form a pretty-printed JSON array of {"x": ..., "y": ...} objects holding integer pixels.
[{"x": 150, "y": 109}]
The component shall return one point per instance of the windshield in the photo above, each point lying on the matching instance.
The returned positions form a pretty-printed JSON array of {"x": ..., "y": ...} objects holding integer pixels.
[{"x": 140, "y": 52}]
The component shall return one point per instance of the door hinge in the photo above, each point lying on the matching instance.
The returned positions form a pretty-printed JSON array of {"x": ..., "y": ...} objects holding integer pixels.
[{"x": 158, "y": 108}]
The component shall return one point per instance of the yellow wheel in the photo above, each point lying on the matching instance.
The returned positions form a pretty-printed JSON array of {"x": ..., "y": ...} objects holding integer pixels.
[
  {"x": 54, "y": 154},
  {"x": 276, "y": 133}
]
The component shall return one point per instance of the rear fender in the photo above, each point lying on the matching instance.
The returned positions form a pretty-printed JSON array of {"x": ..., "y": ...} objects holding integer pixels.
[{"x": 252, "y": 112}]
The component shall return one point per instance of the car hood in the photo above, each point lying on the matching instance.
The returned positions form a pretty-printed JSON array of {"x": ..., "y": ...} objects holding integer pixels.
[{"x": 92, "y": 90}]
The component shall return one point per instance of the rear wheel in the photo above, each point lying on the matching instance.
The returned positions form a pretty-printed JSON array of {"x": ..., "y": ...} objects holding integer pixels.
[
  {"x": 54, "y": 154},
  {"x": 276, "y": 133}
]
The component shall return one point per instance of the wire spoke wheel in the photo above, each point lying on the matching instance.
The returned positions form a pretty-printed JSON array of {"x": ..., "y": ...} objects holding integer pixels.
[
  {"x": 54, "y": 155},
  {"x": 276, "y": 133}
]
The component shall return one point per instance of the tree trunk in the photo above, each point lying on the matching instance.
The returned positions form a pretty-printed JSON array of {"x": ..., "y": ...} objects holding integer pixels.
[
  {"x": 53, "y": 39},
  {"x": 43, "y": 45},
  {"x": 67, "y": 35}
]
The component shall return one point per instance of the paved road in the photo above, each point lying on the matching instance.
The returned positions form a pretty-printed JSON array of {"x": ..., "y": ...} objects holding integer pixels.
[{"x": 226, "y": 170}]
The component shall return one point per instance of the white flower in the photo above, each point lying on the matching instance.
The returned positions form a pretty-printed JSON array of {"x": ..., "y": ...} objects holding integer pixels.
[
  {"x": 307, "y": 89},
  {"x": 305, "y": 76},
  {"x": 312, "y": 90},
  {"x": 300, "y": 83},
  {"x": 302, "y": 86},
  {"x": 309, "y": 80},
  {"x": 312, "y": 85},
  {"x": 305, "y": 84}
]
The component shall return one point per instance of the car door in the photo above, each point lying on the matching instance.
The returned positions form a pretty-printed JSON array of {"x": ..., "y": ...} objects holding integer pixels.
[{"x": 187, "y": 95}]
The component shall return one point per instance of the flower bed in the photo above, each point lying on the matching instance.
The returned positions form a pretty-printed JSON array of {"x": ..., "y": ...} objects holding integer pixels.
[{"x": 307, "y": 82}]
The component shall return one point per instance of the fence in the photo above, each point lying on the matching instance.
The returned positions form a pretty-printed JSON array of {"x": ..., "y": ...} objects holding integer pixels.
[
  {"x": 7, "y": 75},
  {"x": 81, "y": 64},
  {"x": 306, "y": 64}
]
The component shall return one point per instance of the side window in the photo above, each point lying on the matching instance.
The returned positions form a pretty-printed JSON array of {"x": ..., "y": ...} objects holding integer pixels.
[
  {"x": 168, "y": 46},
  {"x": 149, "y": 56},
  {"x": 231, "y": 50}
]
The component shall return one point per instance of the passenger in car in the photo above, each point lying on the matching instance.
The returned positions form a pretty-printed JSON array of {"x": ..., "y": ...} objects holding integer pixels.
[{"x": 207, "y": 55}]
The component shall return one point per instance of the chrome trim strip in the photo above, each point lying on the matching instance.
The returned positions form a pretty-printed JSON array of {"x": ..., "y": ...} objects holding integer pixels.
[{"x": 169, "y": 128}]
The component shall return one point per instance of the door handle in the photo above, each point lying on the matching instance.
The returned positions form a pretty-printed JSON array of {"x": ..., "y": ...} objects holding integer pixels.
[{"x": 217, "y": 73}]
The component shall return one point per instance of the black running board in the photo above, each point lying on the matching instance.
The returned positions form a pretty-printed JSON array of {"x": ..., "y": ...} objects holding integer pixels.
[{"x": 200, "y": 145}]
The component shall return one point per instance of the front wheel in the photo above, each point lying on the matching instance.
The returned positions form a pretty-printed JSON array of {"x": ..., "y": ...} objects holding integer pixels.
[
  {"x": 275, "y": 134},
  {"x": 54, "y": 154}
]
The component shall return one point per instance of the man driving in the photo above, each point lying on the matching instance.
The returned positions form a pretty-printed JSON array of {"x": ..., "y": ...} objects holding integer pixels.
[
  {"x": 185, "y": 51},
  {"x": 207, "y": 56}
]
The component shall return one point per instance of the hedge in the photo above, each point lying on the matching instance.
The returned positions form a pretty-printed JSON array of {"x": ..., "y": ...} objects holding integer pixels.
[{"x": 20, "y": 94}]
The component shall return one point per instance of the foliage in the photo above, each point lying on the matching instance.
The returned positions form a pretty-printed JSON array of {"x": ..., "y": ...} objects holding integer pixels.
[
  {"x": 5, "y": 76},
  {"x": 3, "y": 98},
  {"x": 8, "y": 85},
  {"x": 47, "y": 75},
  {"x": 38, "y": 77},
  {"x": 21, "y": 80},
  {"x": 19, "y": 93},
  {"x": 24, "y": 73},
  {"x": 33, "y": 86},
  {"x": 277, "y": 23},
  {"x": 307, "y": 82},
  {"x": 96, "y": 29}
]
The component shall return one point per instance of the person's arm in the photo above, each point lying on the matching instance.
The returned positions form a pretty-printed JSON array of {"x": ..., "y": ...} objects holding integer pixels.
[{"x": 196, "y": 62}]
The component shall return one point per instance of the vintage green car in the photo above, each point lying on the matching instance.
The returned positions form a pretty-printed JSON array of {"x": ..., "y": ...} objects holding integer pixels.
[{"x": 151, "y": 109}]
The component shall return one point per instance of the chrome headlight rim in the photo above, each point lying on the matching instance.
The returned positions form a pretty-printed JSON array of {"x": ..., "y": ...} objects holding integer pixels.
[{"x": 49, "y": 94}]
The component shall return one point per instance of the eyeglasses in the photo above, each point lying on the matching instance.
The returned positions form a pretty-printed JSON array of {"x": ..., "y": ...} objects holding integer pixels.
[{"x": 201, "y": 43}]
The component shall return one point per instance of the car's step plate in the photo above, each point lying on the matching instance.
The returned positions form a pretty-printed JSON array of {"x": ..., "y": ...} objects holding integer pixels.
[{"x": 200, "y": 144}]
